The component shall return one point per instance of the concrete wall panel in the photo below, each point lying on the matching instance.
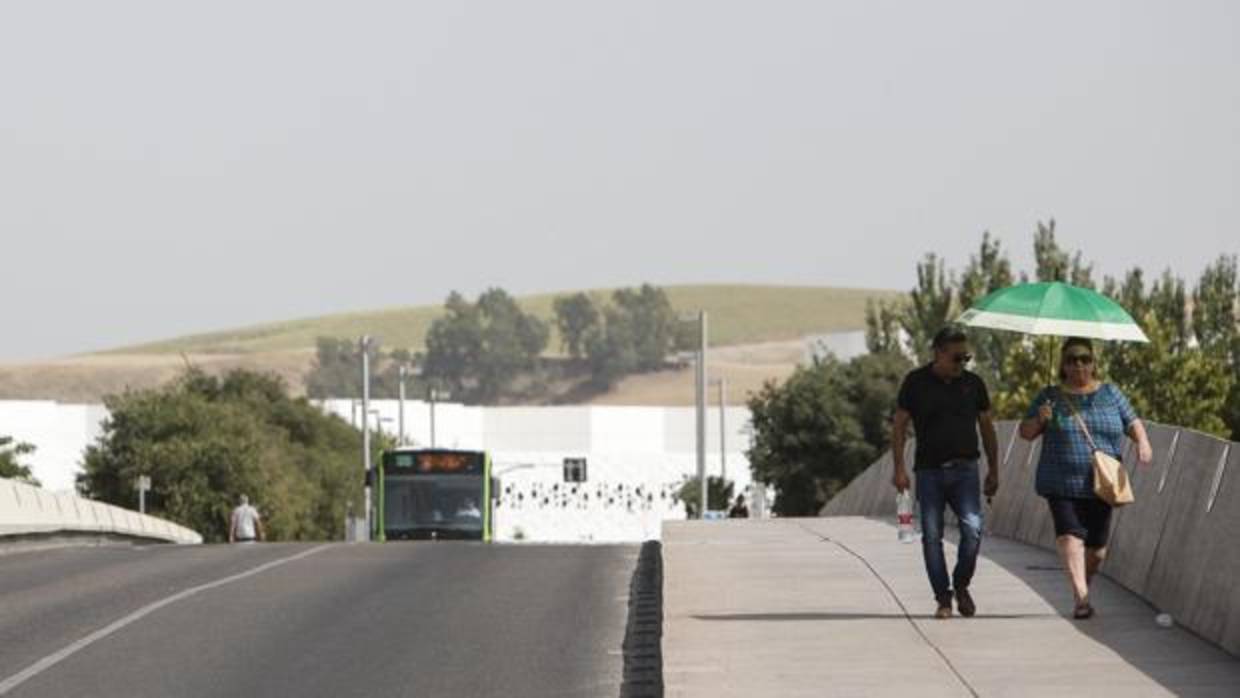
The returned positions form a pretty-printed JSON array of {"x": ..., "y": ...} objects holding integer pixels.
[
  {"x": 1214, "y": 611},
  {"x": 1179, "y": 562},
  {"x": 1138, "y": 527},
  {"x": 1015, "y": 482}
]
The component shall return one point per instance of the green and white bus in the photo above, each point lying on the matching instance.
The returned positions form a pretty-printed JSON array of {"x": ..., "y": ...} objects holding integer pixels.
[{"x": 435, "y": 494}]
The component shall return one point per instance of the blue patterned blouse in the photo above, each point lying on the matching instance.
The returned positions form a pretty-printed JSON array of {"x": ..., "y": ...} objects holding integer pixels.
[{"x": 1065, "y": 468}]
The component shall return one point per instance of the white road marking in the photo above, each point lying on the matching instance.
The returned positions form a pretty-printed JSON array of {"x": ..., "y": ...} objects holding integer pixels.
[{"x": 52, "y": 660}]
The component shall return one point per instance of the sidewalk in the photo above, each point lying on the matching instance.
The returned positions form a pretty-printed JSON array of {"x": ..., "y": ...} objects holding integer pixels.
[{"x": 837, "y": 607}]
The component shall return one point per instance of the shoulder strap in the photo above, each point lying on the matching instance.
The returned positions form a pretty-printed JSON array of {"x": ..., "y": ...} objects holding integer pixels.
[{"x": 1079, "y": 419}]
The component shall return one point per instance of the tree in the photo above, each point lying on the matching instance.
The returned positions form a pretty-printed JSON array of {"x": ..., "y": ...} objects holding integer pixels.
[
  {"x": 639, "y": 330},
  {"x": 575, "y": 318},
  {"x": 931, "y": 305},
  {"x": 1056, "y": 264},
  {"x": 337, "y": 370},
  {"x": 1216, "y": 325},
  {"x": 10, "y": 461},
  {"x": 809, "y": 436},
  {"x": 479, "y": 349},
  {"x": 882, "y": 326},
  {"x": 205, "y": 440},
  {"x": 988, "y": 271},
  {"x": 718, "y": 494}
]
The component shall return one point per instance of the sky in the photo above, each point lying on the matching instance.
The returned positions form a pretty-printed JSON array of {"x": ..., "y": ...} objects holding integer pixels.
[{"x": 168, "y": 168}]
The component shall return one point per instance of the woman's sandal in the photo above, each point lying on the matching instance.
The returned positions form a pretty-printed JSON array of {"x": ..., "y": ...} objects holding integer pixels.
[{"x": 1083, "y": 611}]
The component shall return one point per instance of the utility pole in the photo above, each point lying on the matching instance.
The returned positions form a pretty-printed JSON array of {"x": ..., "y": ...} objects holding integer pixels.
[
  {"x": 701, "y": 412},
  {"x": 404, "y": 371},
  {"x": 723, "y": 429},
  {"x": 365, "y": 347}
]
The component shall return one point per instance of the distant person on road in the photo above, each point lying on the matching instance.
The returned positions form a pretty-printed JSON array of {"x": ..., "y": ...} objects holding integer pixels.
[
  {"x": 739, "y": 510},
  {"x": 947, "y": 405},
  {"x": 245, "y": 526},
  {"x": 1065, "y": 468}
]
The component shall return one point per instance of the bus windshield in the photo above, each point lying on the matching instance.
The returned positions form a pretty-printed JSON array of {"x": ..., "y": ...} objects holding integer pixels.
[{"x": 432, "y": 501}]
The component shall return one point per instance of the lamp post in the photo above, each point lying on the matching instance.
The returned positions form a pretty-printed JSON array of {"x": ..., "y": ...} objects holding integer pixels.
[
  {"x": 723, "y": 426},
  {"x": 400, "y": 437},
  {"x": 435, "y": 395},
  {"x": 364, "y": 345},
  {"x": 700, "y": 386}
]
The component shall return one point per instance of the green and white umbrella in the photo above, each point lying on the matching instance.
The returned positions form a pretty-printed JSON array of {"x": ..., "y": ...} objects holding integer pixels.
[{"x": 1054, "y": 309}]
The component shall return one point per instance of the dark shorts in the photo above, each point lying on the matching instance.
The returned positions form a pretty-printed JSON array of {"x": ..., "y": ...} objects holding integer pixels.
[{"x": 1087, "y": 519}]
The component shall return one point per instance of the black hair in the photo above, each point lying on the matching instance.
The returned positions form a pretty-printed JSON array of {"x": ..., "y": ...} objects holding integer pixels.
[
  {"x": 951, "y": 334},
  {"x": 1063, "y": 351}
]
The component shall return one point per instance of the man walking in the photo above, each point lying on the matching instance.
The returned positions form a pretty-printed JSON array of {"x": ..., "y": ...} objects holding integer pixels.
[
  {"x": 947, "y": 405},
  {"x": 245, "y": 525}
]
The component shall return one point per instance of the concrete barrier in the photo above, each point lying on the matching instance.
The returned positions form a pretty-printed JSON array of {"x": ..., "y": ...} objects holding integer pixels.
[
  {"x": 1015, "y": 479},
  {"x": 1214, "y": 608},
  {"x": 1137, "y": 529},
  {"x": 1178, "y": 562},
  {"x": 26, "y": 510},
  {"x": 1177, "y": 546}
]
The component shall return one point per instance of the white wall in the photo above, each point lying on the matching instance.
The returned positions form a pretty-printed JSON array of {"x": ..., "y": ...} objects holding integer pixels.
[{"x": 626, "y": 448}]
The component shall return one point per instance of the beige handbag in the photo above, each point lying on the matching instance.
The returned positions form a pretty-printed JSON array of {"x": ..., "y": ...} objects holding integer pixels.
[{"x": 1110, "y": 479}]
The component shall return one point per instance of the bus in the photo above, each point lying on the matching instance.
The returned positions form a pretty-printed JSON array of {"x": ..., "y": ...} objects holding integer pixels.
[{"x": 427, "y": 494}]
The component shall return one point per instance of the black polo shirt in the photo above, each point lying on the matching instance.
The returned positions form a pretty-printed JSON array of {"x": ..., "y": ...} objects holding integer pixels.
[{"x": 944, "y": 415}]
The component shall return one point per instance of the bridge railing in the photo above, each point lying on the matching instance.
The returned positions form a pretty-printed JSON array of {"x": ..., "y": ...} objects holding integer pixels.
[
  {"x": 28, "y": 511},
  {"x": 1177, "y": 546}
]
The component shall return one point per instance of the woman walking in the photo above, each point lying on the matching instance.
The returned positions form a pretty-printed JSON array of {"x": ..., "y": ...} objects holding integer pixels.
[{"x": 1065, "y": 470}]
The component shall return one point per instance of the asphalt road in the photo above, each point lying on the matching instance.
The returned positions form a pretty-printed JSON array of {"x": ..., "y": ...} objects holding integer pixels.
[{"x": 402, "y": 619}]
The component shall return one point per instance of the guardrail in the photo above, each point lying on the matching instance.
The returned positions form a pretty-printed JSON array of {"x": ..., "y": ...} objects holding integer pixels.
[
  {"x": 1177, "y": 547},
  {"x": 28, "y": 511}
]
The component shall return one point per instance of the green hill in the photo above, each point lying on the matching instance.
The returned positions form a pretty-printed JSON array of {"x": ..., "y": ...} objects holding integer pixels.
[{"x": 737, "y": 315}]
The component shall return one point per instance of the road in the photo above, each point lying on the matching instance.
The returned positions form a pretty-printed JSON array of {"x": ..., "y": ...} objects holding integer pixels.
[{"x": 411, "y": 619}]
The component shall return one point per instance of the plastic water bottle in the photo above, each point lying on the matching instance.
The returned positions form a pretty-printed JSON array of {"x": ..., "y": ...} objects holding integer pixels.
[{"x": 904, "y": 517}]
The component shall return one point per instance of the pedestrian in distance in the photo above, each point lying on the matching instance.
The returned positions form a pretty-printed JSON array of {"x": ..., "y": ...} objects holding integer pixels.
[
  {"x": 739, "y": 509},
  {"x": 245, "y": 525},
  {"x": 1065, "y": 475},
  {"x": 948, "y": 406}
]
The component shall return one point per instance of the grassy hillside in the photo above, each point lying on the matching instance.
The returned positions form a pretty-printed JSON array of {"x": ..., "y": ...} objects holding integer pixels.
[{"x": 737, "y": 315}]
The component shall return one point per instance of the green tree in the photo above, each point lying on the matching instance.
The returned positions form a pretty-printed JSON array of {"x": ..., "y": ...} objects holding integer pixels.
[
  {"x": 931, "y": 305},
  {"x": 639, "y": 330},
  {"x": 575, "y": 317},
  {"x": 809, "y": 440},
  {"x": 882, "y": 326},
  {"x": 205, "y": 440},
  {"x": 718, "y": 494},
  {"x": 988, "y": 271},
  {"x": 337, "y": 369},
  {"x": 479, "y": 349},
  {"x": 1216, "y": 325},
  {"x": 11, "y": 466},
  {"x": 1055, "y": 263}
]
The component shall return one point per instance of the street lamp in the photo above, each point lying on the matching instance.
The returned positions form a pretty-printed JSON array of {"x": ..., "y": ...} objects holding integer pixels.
[
  {"x": 435, "y": 395},
  {"x": 364, "y": 345},
  {"x": 700, "y": 399},
  {"x": 723, "y": 426},
  {"x": 403, "y": 372}
]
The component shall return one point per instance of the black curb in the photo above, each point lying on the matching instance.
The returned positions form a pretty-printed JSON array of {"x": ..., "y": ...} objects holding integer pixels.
[{"x": 643, "y": 633}]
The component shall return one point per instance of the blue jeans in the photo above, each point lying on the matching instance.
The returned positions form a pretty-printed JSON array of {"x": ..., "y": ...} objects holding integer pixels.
[{"x": 955, "y": 485}]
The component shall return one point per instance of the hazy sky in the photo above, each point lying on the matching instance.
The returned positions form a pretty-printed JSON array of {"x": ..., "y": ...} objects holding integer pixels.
[{"x": 170, "y": 167}]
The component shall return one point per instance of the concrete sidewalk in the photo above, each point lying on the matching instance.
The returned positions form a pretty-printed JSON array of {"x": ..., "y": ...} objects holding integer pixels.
[{"x": 838, "y": 607}]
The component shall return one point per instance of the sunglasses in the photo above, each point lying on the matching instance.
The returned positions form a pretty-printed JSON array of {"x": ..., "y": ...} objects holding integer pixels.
[
  {"x": 962, "y": 358},
  {"x": 1079, "y": 359}
]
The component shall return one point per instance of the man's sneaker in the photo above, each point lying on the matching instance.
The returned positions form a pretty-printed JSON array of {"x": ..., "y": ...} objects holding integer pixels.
[
  {"x": 945, "y": 607},
  {"x": 964, "y": 603}
]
